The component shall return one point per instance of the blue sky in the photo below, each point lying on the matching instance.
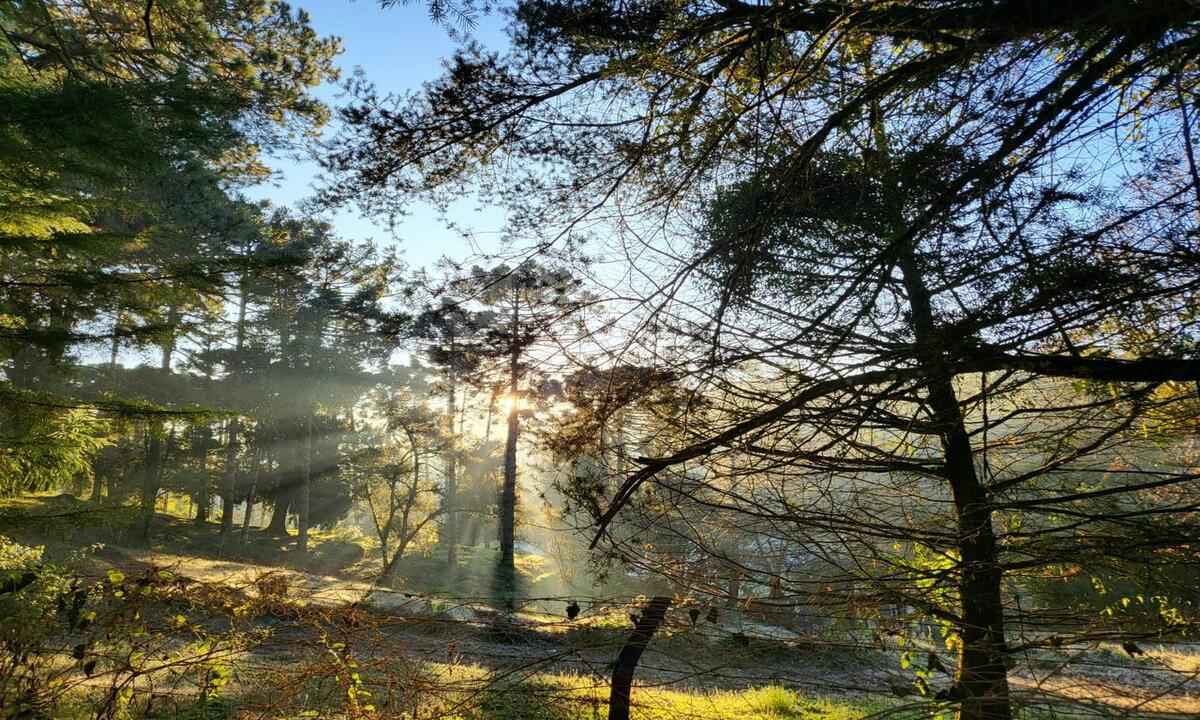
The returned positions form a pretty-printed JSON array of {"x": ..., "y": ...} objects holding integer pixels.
[{"x": 398, "y": 49}]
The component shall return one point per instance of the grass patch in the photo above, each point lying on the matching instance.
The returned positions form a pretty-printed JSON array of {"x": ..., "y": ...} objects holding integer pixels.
[
  {"x": 64, "y": 523},
  {"x": 472, "y": 692},
  {"x": 576, "y": 697},
  {"x": 474, "y": 576}
]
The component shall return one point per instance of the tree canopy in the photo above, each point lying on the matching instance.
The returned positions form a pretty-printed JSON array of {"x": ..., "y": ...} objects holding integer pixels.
[
  {"x": 892, "y": 243},
  {"x": 879, "y": 312}
]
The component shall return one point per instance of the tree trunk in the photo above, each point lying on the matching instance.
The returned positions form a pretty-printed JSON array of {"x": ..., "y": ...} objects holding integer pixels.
[
  {"x": 982, "y": 679},
  {"x": 390, "y": 564},
  {"x": 622, "y": 680},
  {"x": 981, "y": 683},
  {"x": 735, "y": 587},
  {"x": 153, "y": 466},
  {"x": 305, "y": 485},
  {"x": 386, "y": 557},
  {"x": 508, "y": 492},
  {"x": 982, "y": 669},
  {"x": 487, "y": 426},
  {"x": 402, "y": 537},
  {"x": 98, "y": 487},
  {"x": 99, "y": 478},
  {"x": 113, "y": 350},
  {"x": 283, "y": 502},
  {"x": 254, "y": 483},
  {"x": 450, "y": 500},
  {"x": 229, "y": 479},
  {"x": 202, "y": 504},
  {"x": 389, "y": 569},
  {"x": 151, "y": 473},
  {"x": 203, "y": 501}
]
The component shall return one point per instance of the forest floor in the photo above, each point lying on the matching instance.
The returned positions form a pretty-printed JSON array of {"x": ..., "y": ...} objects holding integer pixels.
[{"x": 458, "y": 657}]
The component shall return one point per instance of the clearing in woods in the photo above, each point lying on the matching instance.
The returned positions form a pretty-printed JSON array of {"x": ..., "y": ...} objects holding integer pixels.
[{"x": 303, "y": 634}]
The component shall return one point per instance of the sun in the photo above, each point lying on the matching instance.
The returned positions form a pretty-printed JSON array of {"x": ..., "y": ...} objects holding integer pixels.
[{"x": 510, "y": 401}]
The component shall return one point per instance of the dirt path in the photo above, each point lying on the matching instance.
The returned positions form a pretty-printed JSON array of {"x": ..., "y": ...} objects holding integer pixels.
[
  {"x": 439, "y": 630},
  {"x": 323, "y": 590}
]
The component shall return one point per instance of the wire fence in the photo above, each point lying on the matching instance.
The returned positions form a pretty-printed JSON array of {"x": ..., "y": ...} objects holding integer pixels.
[{"x": 355, "y": 650}]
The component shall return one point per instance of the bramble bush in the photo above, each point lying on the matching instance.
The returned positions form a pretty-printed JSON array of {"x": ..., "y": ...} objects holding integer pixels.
[{"x": 112, "y": 647}]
